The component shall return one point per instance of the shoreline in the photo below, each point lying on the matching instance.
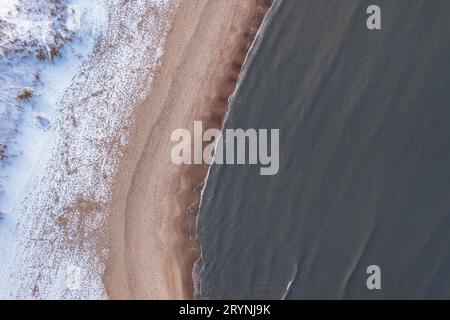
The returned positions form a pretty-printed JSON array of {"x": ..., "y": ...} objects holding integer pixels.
[{"x": 152, "y": 246}]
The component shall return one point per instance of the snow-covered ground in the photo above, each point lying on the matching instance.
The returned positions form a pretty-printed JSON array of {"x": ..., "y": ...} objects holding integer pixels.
[
  {"x": 42, "y": 44},
  {"x": 70, "y": 73}
]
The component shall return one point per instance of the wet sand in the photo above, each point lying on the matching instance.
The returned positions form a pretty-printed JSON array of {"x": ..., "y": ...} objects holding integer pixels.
[{"x": 152, "y": 248}]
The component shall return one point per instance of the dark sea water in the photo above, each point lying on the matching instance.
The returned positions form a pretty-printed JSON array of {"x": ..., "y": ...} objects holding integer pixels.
[{"x": 364, "y": 119}]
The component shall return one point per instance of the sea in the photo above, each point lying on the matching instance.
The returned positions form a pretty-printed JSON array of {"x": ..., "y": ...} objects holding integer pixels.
[{"x": 364, "y": 152}]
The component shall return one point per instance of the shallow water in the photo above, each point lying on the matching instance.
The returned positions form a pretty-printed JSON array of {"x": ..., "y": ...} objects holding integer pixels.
[{"x": 364, "y": 158}]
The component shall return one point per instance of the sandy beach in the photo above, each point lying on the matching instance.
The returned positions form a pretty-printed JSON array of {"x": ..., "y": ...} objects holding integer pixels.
[{"x": 152, "y": 250}]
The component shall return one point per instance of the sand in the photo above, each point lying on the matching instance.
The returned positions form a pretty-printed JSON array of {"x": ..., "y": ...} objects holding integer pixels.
[{"x": 151, "y": 243}]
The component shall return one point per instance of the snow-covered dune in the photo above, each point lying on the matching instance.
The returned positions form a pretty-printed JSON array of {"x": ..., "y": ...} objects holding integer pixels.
[{"x": 70, "y": 74}]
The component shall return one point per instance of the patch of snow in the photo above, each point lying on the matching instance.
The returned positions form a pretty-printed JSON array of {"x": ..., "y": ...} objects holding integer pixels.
[{"x": 63, "y": 142}]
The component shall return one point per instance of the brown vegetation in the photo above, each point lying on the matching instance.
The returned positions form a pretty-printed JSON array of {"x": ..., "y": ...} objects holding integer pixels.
[
  {"x": 25, "y": 94},
  {"x": 2, "y": 151}
]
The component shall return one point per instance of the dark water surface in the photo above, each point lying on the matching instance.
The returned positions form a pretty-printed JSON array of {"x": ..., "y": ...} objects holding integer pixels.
[{"x": 364, "y": 119}]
